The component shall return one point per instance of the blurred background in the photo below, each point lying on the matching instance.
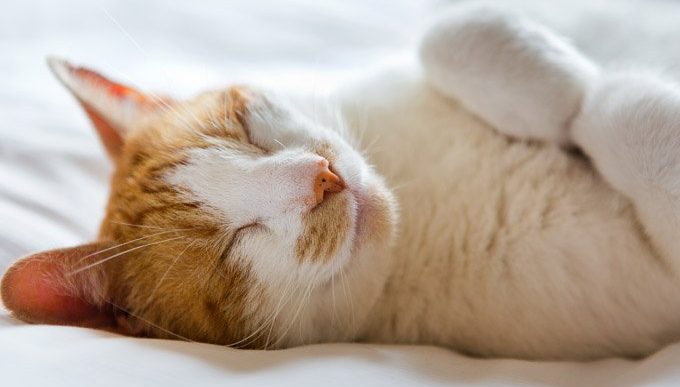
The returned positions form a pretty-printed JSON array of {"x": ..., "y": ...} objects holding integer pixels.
[{"x": 53, "y": 173}]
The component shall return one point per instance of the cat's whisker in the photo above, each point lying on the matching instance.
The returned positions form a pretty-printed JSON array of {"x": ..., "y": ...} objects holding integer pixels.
[
  {"x": 366, "y": 151},
  {"x": 273, "y": 320},
  {"x": 359, "y": 132},
  {"x": 306, "y": 309},
  {"x": 163, "y": 105},
  {"x": 169, "y": 109},
  {"x": 350, "y": 299},
  {"x": 286, "y": 323},
  {"x": 161, "y": 102},
  {"x": 266, "y": 323},
  {"x": 333, "y": 305},
  {"x": 86, "y": 267},
  {"x": 152, "y": 227},
  {"x": 299, "y": 320},
  {"x": 150, "y": 323},
  {"x": 191, "y": 113},
  {"x": 297, "y": 289},
  {"x": 341, "y": 122},
  {"x": 292, "y": 320},
  {"x": 280, "y": 143},
  {"x": 403, "y": 185},
  {"x": 300, "y": 306},
  {"x": 305, "y": 302},
  {"x": 145, "y": 53},
  {"x": 160, "y": 281},
  {"x": 123, "y": 244}
]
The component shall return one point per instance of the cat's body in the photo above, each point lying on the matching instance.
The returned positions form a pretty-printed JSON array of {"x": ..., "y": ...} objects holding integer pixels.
[
  {"x": 505, "y": 247},
  {"x": 241, "y": 219}
]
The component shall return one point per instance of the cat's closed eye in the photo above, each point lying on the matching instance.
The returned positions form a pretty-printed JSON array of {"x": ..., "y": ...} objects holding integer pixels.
[{"x": 220, "y": 206}]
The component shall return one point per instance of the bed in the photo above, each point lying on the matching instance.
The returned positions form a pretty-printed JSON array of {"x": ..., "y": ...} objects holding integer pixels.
[{"x": 53, "y": 172}]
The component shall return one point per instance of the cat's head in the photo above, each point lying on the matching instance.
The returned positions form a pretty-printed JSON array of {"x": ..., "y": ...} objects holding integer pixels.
[{"x": 233, "y": 218}]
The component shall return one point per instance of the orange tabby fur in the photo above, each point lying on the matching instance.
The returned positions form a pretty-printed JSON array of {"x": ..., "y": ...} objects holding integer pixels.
[{"x": 142, "y": 203}]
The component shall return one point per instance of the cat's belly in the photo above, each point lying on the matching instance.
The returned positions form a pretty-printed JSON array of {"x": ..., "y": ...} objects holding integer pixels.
[{"x": 507, "y": 248}]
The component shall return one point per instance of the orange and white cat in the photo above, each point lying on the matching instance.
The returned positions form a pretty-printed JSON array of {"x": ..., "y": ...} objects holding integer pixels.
[{"x": 249, "y": 219}]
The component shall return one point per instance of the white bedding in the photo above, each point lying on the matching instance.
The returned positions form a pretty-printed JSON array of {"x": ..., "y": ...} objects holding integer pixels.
[{"x": 53, "y": 173}]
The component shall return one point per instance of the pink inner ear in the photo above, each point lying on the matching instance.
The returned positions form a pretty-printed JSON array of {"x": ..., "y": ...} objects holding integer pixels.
[
  {"x": 36, "y": 290},
  {"x": 110, "y": 137},
  {"x": 112, "y": 106},
  {"x": 114, "y": 89}
]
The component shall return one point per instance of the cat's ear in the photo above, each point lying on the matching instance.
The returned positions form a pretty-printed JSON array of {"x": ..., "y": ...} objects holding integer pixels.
[
  {"x": 240, "y": 98},
  {"x": 61, "y": 287},
  {"x": 112, "y": 107}
]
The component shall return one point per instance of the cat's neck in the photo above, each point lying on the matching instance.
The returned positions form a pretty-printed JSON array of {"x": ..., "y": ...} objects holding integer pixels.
[{"x": 408, "y": 149}]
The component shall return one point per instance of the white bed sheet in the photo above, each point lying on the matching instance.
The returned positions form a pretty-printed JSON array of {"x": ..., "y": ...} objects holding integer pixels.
[{"x": 53, "y": 173}]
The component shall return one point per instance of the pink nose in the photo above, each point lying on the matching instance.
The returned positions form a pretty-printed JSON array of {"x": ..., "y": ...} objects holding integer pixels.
[{"x": 326, "y": 181}]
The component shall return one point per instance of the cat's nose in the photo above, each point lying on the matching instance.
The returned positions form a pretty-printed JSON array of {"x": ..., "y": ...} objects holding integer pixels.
[{"x": 326, "y": 181}]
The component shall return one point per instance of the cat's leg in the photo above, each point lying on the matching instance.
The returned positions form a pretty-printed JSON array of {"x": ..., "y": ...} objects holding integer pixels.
[
  {"x": 514, "y": 73},
  {"x": 629, "y": 126},
  {"x": 529, "y": 83}
]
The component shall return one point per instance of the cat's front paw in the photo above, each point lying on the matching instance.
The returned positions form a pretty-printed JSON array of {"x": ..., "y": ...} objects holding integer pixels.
[
  {"x": 629, "y": 126},
  {"x": 514, "y": 73}
]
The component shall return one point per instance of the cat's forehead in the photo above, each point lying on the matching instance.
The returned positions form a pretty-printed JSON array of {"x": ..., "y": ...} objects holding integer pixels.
[
  {"x": 167, "y": 140},
  {"x": 213, "y": 114}
]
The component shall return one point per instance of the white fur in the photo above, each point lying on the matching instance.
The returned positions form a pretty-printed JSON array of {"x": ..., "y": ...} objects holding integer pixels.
[
  {"x": 505, "y": 247},
  {"x": 630, "y": 127},
  {"x": 521, "y": 250},
  {"x": 516, "y": 74},
  {"x": 253, "y": 189},
  {"x": 275, "y": 191},
  {"x": 511, "y": 249}
]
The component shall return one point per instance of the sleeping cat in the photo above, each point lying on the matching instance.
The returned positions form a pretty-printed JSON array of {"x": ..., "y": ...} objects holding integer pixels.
[{"x": 438, "y": 202}]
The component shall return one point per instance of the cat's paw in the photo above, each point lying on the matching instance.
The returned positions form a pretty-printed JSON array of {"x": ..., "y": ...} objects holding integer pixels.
[
  {"x": 629, "y": 126},
  {"x": 514, "y": 73}
]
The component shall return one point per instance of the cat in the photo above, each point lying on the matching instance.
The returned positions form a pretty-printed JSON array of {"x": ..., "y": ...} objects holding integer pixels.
[{"x": 501, "y": 196}]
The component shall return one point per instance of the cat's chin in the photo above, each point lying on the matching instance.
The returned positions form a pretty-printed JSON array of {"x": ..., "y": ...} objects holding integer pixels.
[
  {"x": 361, "y": 225},
  {"x": 374, "y": 217}
]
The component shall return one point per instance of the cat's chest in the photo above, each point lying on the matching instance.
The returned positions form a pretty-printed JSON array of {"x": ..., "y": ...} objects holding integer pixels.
[
  {"x": 464, "y": 190},
  {"x": 492, "y": 230},
  {"x": 461, "y": 185},
  {"x": 470, "y": 197}
]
